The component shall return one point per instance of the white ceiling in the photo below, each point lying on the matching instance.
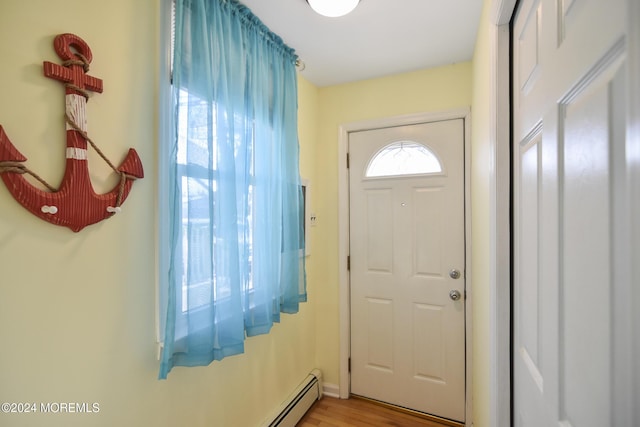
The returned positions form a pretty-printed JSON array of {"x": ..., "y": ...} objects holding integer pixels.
[{"x": 379, "y": 38}]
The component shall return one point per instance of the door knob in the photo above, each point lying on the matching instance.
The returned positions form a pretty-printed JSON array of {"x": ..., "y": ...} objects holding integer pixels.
[
  {"x": 455, "y": 295},
  {"x": 454, "y": 274}
]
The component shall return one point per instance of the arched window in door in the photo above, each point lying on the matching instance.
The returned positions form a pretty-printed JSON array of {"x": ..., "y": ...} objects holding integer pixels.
[{"x": 403, "y": 158}]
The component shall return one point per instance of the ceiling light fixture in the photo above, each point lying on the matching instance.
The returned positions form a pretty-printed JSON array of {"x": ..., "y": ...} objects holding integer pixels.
[{"x": 333, "y": 8}]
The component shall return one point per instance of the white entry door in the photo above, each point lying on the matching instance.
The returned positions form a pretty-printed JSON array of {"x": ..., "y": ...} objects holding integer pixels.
[
  {"x": 407, "y": 251},
  {"x": 572, "y": 329}
]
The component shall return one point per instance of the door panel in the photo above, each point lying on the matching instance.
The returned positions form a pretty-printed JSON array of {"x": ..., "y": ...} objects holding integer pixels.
[
  {"x": 430, "y": 352},
  {"x": 428, "y": 226},
  {"x": 528, "y": 301},
  {"x": 379, "y": 334},
  {"x": 406, "y": 234},
  {"x": 379, "y": 237},
  {"x": 585, "y": 325}
]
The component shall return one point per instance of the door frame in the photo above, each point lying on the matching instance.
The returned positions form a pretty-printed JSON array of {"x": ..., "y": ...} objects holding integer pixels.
[
  {"x": 343, "y": 233},
  {"x": 500, "y": 303},
  {"x": 633, "y": 154}
]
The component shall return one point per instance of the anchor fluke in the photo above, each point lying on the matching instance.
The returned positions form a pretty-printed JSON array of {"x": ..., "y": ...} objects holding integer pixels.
[
  {"x": 132, "y": 164},
  {"x": 8, "y": 152}
]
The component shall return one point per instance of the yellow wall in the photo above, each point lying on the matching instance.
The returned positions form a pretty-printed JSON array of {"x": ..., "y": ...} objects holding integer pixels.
[
  {"x": 77, "y": 310},
  {"x": 430, "y": 90}
]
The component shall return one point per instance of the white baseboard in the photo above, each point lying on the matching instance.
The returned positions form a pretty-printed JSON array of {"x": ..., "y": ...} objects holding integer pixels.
[
  {"x": 331, "y": 390},
  {"x": 298, "y": 403}
]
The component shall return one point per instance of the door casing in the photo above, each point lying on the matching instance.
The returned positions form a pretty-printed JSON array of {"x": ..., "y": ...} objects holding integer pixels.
[{"x": 343, "y": 229}]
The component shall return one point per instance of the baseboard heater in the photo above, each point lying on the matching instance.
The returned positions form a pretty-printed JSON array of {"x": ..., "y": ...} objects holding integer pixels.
[{"x": 299, "y": 402}]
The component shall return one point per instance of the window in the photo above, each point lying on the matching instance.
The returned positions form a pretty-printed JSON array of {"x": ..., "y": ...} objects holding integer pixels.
[
  {"x": 403, "y": 158},
  {"x": 232, "y": 223}
]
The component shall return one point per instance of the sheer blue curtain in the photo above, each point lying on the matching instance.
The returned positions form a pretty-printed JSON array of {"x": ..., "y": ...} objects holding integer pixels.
[{"x": 235, "y": 198}]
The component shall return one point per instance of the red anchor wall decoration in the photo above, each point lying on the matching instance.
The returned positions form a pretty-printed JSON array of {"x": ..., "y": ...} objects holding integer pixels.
[{"x": 74, "y": 204}]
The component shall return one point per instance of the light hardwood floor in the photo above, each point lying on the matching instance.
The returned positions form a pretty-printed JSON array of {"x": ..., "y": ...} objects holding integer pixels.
[{"x": 355, "y": 412}]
